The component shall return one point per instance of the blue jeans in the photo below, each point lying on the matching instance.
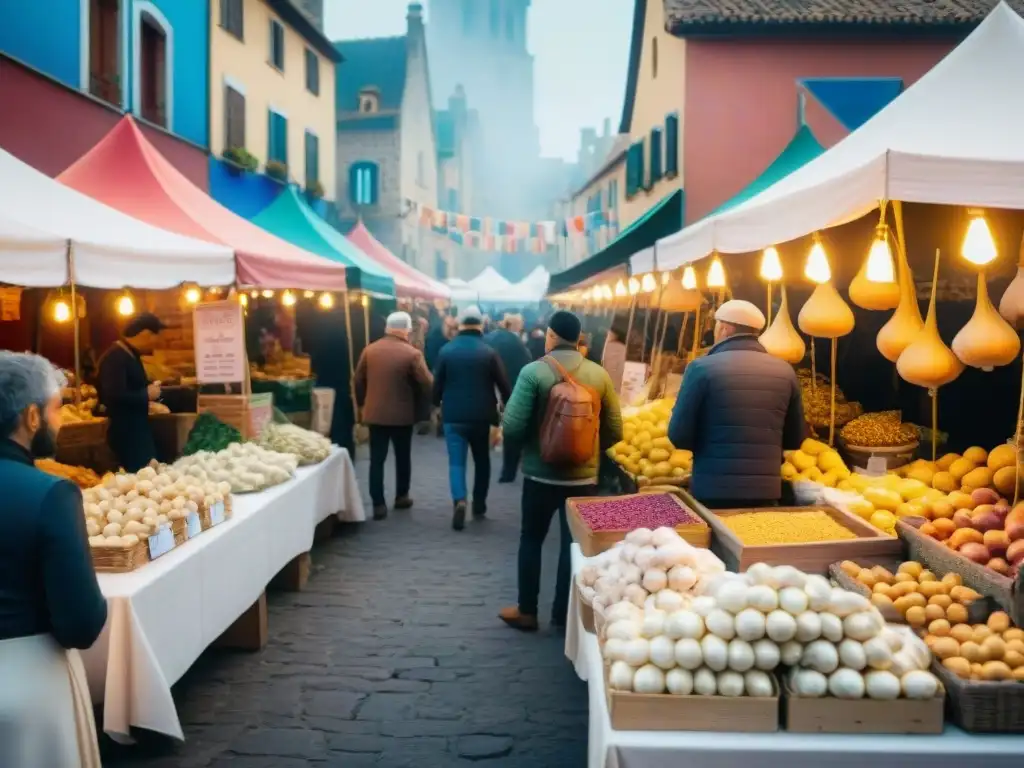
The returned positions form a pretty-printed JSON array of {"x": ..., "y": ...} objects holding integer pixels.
[{"x": 460, "y": 439}]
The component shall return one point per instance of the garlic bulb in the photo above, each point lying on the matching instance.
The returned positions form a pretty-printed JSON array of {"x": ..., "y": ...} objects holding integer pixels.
[
  {"x": 927, "y": 361},
  {"x": 905, "y": 323},
  {"x": 781, "y": 338},
  {"x": 825, "y": 315},
  {"x": 987, "y": 341}
]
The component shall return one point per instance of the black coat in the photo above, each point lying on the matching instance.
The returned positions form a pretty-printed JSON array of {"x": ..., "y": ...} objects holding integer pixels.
[
  {"x": 433, "y": 345},
  {"x": 47, "y": 581},
  {"x": 738, "y": 408},
  {"x": 328, "y": 352},
  {"x": 535, "y": 345},
  {"x": 467, "y": 374},
  {"x": 513, "y": 353},
  {"x": 121, "y": 387}
]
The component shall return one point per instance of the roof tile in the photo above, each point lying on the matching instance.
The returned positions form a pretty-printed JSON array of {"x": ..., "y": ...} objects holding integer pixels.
[{"x": 378, "y": 62}]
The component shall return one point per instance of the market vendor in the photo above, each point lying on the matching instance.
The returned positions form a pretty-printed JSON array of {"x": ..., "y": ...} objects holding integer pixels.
[
  {"x": 737, "y": 409},
  {"x": 125, "y": 392}
]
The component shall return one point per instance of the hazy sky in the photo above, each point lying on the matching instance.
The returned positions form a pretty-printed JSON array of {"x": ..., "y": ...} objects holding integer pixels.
[{"x": 580, "y": 51}]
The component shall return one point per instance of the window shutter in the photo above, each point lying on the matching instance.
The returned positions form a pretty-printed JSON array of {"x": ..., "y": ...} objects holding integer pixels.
[
  {"x": 374, "y": 179},
  {"x": 235, "y": 109},
  {"x": 672, "y": 146},
  {"x": 632, "y": 177},
  {"x": 656, "y": 168},
  {"x": 312, "y": 159}
]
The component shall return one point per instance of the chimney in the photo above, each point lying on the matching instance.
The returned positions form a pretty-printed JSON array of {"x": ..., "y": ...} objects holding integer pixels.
[
  {"x": 457, "y": 104},
  {"x": 312, "y": 10},
  {"x": 414, "y": 20},
  {"x": 607, "y": 127}
]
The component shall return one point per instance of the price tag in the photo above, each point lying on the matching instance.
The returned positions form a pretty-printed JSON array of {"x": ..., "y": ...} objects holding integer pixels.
[
  {"x": 876, "y": 466},
  {"x": 217, "y": 513},
  {"x": 161, "y": 542},
  {"x": 194, "y": 526}
]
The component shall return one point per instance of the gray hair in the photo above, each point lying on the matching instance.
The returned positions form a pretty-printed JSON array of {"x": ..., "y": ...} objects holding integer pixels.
[
  {"x": 25, "y": 379},
  {"x": 399, "y": 321}
]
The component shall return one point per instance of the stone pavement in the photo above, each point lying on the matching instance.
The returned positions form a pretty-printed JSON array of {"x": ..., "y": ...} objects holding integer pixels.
[{"x": 392, "y": 656}]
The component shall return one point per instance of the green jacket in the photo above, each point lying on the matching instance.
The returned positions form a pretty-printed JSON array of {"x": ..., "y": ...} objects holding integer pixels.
[{"x": 525, "y": 412}]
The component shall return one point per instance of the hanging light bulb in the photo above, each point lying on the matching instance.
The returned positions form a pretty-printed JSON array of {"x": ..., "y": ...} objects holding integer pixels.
[
  {"x": 620, "y": 289},
  {"x": 817, "y": 269},
  {"x": 880, "y": 267},
  {"x": 61, "y": 311},
  {"x": 690, "y": 278},
  {"x": 716, "y": 274},
  {"x": 243, "y": 300},
  {"x": 979, "y": 248},
  {"x": 254, "y": 293},
  {"x": 125, "y": 306},
  {"x": 288, "y": 299},
  {"x": 192, "y": 295},
  {"x": 634, "y": 286},
  {"x": 586, "y": 295},
  {"x": 268, "y": 294},
  {"x": 648, "y": 284},
  {"x": 771, "y": 267},
  {"x": 365, "y": 300},
  {"x": 607, "y": 291},
  {"x": 665, "y": 277},
  {"x": 326, "y": 301},
  {"x": 308, "y": 294}
]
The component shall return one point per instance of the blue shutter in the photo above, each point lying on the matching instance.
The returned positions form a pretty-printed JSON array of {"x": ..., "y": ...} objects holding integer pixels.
[
  {"x": 634, "y": 171},
  {"x": 373, "y": 178},
  {"x": 353, "y": 183},
  {"x": 672, "y": 146},
  {"x": 656, "y": 169}
]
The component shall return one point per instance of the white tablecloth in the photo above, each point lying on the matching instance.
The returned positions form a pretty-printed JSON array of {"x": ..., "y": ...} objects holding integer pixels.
[
  {"x": 608, "y": 748},
  {"x": 164, "y": 615}
]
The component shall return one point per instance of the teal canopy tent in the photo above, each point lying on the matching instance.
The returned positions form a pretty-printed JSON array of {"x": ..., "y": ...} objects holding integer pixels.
[{"x": 290, "y": 218}]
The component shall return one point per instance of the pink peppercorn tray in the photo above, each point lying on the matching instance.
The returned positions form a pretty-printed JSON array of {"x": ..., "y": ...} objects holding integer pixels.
[{"x": 592, "y": 542}]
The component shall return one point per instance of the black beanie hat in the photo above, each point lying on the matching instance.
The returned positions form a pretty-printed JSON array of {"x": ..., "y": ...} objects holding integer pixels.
[{"x": 565, "y": 325}]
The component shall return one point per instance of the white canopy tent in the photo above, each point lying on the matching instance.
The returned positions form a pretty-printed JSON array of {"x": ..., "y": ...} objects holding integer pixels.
[
  {"x": 462, "y": 292},
  {"x": 953, "y": 137},
  {"x": 43, "y": 222},
  {"x": 490, "y": 286}
]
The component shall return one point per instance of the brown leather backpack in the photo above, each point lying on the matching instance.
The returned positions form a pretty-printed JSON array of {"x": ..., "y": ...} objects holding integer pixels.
[{"x": 571, "y": 427}]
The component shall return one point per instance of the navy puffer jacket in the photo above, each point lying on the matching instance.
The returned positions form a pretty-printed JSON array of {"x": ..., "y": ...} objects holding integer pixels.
[{"x": 738, "y": 408}]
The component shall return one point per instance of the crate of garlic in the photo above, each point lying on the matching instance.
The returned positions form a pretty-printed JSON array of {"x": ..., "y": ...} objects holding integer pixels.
[
  {"x": 674, "y": 622},
  {"x": 126, "y": 510}
]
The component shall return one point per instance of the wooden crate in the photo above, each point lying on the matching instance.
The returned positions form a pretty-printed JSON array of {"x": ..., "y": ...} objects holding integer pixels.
[
  {"x": 586, "y": 609},
  {"x": 248, "y": 414},
  {"x": 832, "y": 715},
  {"x": 666, "y": 712},
  {"x": 813, "y": 557},
  {"x": 595, "y": 542},
  {"x": 82, "y": 433}
]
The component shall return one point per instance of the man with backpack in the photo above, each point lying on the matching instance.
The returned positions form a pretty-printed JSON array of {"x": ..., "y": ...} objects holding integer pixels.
[{"x": 562, "y": 414}]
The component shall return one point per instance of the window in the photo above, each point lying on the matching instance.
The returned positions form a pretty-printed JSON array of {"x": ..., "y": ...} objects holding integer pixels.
[
  {"x": 656, "y": 169},
  {"x": 232, "y": 17},
  {"x": 634, "y": 169},
  {"x": 654, "y": 58},
  {"x": 312, "y": 73},
  {"x": 495, "y": 18},
  {"x": 369, "y": 100},
  {"x": 312, "y": 159},
  {"x": 363, "y": 183},
  {"x": 277, "y": 143},
  {"x": 613, "y": 194},
  {"x": 152, "y": 65},
  {"x": 104, "y": 59},
  {"x": 468, "y": 6},
  {"x": 234, "y": 119},
  {"x": 276, "y": 45},
  {"x": 672, "y": 146}
]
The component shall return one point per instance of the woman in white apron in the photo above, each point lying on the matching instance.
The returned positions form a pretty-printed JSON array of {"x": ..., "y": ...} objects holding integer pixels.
[{"x": 50, "y": 602}]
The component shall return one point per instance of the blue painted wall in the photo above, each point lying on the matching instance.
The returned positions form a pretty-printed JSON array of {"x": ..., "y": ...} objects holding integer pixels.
[
  {"x": 244, "y": 193},
  {"x": 56, "y": 52},
  {"x": 45, "y": 34}
]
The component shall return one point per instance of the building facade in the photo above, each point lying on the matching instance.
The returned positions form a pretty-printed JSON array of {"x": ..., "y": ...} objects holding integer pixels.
[
  {"x": 387, "y": 159},
  {"x": 272, "y": 88},
  {"x": 602, "y": 190},
  {"x": 145, "y": 57}
]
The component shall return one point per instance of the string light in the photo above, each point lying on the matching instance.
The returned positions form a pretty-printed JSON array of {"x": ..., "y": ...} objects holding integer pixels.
[
  {"x": 648, "y": 284},
  {"x": 817, "y": 269},
  {"x": 771, "y": 266},
  {"x": 254, "y": 293},
  {"x": 326, "y": 301},
  {"x": 61, "y": 311},
  {"x": 243, "y": 300},
  {"x": 880, "y": 267},
  {"x": 634, "y": 286},
  {"x": 268, "y": 294},
  {"x": 606, "y": 291},
  {"x": 192, "y": 295},
  {"x": 979, "y": 248},
  {"x": 365, "y": 300},
  {"x": 690, "y": 278},
  {"x": 308, "y": 294},
  {"x": 620, "y": 289},
  {"x": 716, "y": 274},
  {"x": 665, "y": 277},
  {"x": 288, "y": 299}
]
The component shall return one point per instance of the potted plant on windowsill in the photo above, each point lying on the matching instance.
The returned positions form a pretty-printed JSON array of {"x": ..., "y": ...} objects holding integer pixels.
[
  {"x": 276, "y": 170},
  {"x": 240, "y": 160},
  {"x": 315, "y": 190}
]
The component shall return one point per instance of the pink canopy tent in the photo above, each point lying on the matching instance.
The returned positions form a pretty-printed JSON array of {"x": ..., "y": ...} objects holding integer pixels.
[
  {"x": 409, "y": 281},
  {"x": 126, "y": 172}
]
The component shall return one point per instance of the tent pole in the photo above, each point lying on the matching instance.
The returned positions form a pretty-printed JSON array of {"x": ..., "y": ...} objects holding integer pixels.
[
  {"x": 365, "y": 300},
  {"x": 629, "y": 323},
  {"x": 351, "y": 358},
  {"x": 647, "y": 320},
  {"x": 76, "y": 327}
]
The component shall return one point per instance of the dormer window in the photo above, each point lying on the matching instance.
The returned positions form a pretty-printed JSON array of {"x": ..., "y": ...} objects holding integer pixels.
[{"x": 369, "y": 100}]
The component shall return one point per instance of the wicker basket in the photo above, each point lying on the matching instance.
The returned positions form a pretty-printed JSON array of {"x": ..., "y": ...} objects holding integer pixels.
[
  {"x": 180, "y": 530},
  {"x": 120, "y": 560},
  {"x": 206, "y": 518},
  {"x": 1007, "y": 592},
  {"x": 982, "y": 707}
]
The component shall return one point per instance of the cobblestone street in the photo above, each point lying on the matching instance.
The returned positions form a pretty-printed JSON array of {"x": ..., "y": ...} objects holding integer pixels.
[{"x": 392, "y": 656}]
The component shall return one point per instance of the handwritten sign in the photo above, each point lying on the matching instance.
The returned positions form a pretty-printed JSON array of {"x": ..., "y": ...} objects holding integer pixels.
[
  {"x": 193, "y": 526},
  {"x": 634, "y": 376},
  {"x": 219, "y": 338},
  {"x": 10, "y": 304},
  {"x": 217, "y": 513},
  {"x": 161, "y": 542}
]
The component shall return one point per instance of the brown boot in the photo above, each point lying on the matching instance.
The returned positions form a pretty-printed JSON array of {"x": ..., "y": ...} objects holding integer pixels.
[{"x": 517, "y": 620}]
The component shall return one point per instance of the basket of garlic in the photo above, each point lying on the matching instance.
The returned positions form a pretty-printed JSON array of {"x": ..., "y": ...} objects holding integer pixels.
[
  {"x": 245, "y": 467},
  {"x": 126, "y": 511},
  {"x": 309, "y": 447}
]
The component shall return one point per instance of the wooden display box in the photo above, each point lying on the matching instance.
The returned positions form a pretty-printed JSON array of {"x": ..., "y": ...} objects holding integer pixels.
[
  {"x": 940, "y": 559},
  {"x": 248, "y": 414},
  {"x": 666, "y": 712},
  {"x": 81, "y": 434},
  {"x": 812, "y": 557},
  {"x": 586, "y": 610},
  {"x": 595, "y": 542},
  {"x": 832, "y": 715}
]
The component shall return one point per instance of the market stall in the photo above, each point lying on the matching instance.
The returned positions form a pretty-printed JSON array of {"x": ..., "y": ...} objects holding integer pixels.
[
  {"x": 166, "y": 613},
  {"x": 409, "y": 281}
]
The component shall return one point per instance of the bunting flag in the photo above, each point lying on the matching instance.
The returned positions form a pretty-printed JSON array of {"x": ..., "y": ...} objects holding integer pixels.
[{"x": 501, "y": 236}]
